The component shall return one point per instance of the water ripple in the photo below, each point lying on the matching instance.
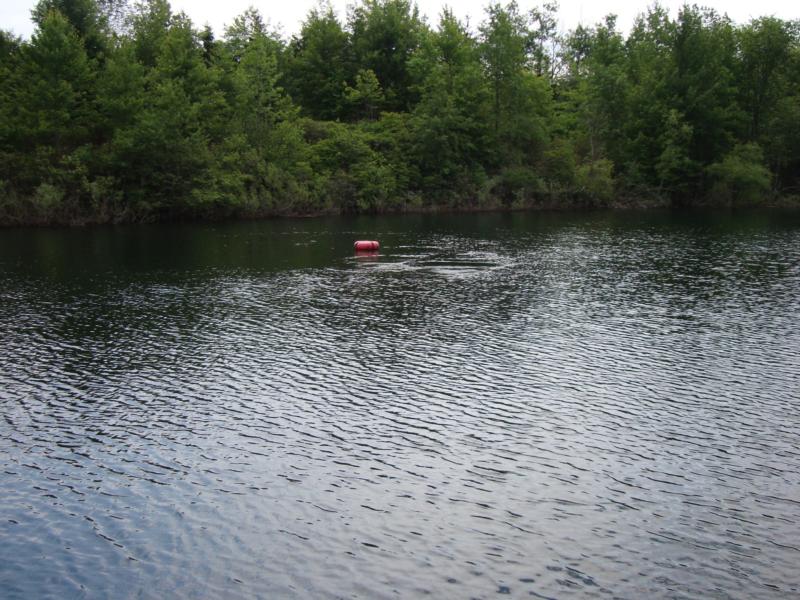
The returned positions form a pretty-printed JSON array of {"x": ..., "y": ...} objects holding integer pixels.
[{"x": 578, "y": 408}]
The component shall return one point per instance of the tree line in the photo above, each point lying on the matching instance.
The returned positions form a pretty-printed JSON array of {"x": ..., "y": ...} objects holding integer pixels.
[{"x": 117, "y": 112}]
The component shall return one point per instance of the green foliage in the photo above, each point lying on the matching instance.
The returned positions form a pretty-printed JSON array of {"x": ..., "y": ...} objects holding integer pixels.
[
  {"x": 86, "y": 18},
  {"x": 318, "y": 65},
  {"x": 558, "y": 166},
  {"x": 117, "y": 111},
  {"x": 521, "y": 100},
  {"x": 596, "y": 179},
  {"x": 384, "y": 36},
  {"x": 704, "y": 53},
  {"x": 355, "y": 177},
  {"x": 544, "y": 40},
  {"x": 46, "y": 200},
  {"x": 365, "y": 97},
  {"x": 54, "y": 102},
  {"x": 48, "y": 107},
  {"x": 741, "y": 176},
  {"x": 451, "y": 124},
  {"x": 673, "y": 166},
  {"x": 782, "y": 140},
  {"x": 503, "y": 54},
  {"x": 150, "y": 23},
  {"x": 120, "y": 89},
  {"x": 9, "y": 46},
  {"x": 246, "y": 28},
  {"x": 515, "y": 186},
  {"x": 393, "y": 138},
  {"x": 765, "y": 47}
]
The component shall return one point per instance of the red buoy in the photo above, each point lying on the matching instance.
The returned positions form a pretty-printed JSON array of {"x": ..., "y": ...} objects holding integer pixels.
[{"x": 367, "y": 246}]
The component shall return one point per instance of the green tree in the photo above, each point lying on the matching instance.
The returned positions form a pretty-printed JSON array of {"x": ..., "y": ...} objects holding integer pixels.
[
  {"x": 521, "y": 101},
  {"x": 9, "y": 45},
  {"x": 53, "y": 105},
  {"x": 9, "y": 57},
  {"x": 769, "y": 92},
  {"x": 115, "y": 111},
  {"x": 366, "y": 97},
  {"x": 275, "y": 151},
  {"x": 169, "y": 151},
  {"x": 765, "y": 47},
  {"x": 741, "y": 175},
  {"x": 544, "y": 41},
  {"x": 355, "y": 177},
  {"x": 85, "y": 16},
  {"x": 318, "y": 65},
  {"x": 451, "y": 122},
  {"x": 384, "y": 36},
  {"x": 150, "y": 23},
  {"x": 247, "y": 27},
  {"x": 703, "y": 87},
  {"x": 503, "y": 51},
  {"x": 653, "y": 144},
  {"x": 608, "y": 93},
  {"x": 674, "y": 167}
]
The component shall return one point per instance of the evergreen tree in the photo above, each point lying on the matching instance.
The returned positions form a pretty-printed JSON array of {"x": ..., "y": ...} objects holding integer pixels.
[
  {"x": 385, "y": 34},
  {"x": 451, "y": 121},
  {"x": 116, "y": 111},
  {"x": 52, "y": 110},
  {"x": 520, "y": 99},
  {"x": 90, "y": 24},
  {"x": 318, "y": 65}
]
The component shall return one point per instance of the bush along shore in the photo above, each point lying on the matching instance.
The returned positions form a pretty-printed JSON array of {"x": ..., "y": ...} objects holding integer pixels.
[{"x": 122, "y": 112}]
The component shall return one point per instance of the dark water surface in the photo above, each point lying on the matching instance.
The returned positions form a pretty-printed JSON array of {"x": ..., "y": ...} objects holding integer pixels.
[{"x": 547, "y": 406}]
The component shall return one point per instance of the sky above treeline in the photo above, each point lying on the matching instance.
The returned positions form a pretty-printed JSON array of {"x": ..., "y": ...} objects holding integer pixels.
[{"x": 15, "y": 14}]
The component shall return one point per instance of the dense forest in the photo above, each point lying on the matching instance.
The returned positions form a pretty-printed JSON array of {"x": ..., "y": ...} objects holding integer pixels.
[{"x": 117, "y": 111}]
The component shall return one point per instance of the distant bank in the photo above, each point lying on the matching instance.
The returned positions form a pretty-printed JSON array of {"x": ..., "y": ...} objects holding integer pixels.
[
  {"x": 121, "y": 113},
  {"x": 571, "y": 203}
]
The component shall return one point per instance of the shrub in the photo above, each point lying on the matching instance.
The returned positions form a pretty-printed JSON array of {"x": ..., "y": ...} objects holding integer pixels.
[
  {"x": 741, "y": 176},
  {"x": 359, "y": 179},
  {"x": 516, "y": 185},
  {"x": 47, "y": 200},
  {"x": 558, "y": 165},
  {"x": 596, "y": 179}
]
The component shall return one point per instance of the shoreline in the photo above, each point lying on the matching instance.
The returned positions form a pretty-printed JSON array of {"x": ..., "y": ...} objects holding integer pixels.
[{"x": 575, "y": 204}]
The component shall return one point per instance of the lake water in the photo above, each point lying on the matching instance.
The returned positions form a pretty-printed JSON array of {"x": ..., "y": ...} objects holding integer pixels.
[{"x": 523, "y": 405}]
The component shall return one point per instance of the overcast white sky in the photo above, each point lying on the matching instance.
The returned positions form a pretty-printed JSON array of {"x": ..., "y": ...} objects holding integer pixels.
[{"x": 15, "y": 14}]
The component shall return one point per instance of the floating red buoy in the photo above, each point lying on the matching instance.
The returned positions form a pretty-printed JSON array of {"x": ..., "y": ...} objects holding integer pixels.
[{"x": 364, "y": 246}]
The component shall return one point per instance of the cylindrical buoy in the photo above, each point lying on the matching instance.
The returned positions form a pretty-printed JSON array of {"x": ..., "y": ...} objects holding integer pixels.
[{"x": 367, "y": 246}]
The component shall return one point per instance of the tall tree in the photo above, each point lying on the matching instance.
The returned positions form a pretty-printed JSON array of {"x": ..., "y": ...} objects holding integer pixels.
[
  {"x": 544, "y": 41},
  {"x": 85, "y": 16},
  {"x": 248, "y": 27},
  {"x": 169, "y": 149},
  {"x": 55, "y": 98},
  {"x": 150, "y": 23},
  {"x": 503, "y": 38},
  {"x": 318, "y": 66},
  {"x": 385, "y": 34},
  {"x": 703, "y": 87},
  {"x": 521, "y": 101},
  {"x": 451, "y": 121},
  {"x": 765, "y": 47}
]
